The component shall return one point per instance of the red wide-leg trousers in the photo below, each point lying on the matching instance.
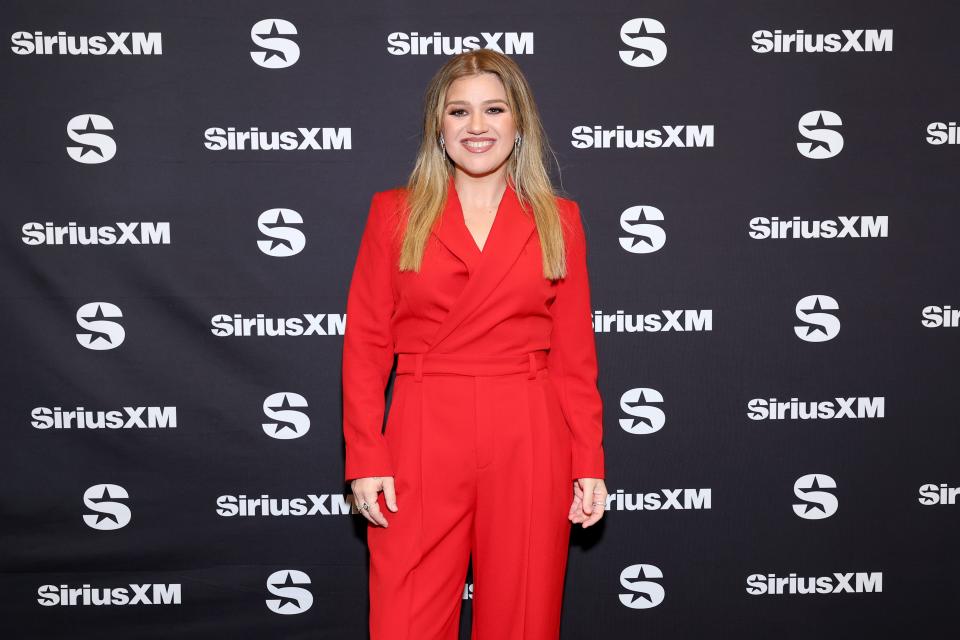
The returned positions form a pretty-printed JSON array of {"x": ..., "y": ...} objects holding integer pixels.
[{"x": 482, "y": 463}]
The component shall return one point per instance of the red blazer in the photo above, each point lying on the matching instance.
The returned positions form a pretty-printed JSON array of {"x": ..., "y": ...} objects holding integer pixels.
[{"x": 494, "y": 302}]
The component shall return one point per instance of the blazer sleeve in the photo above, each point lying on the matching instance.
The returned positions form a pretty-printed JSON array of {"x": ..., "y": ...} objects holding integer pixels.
[
  {"x": 572, "y": 359},
  {"x": 368, "y": 348}
]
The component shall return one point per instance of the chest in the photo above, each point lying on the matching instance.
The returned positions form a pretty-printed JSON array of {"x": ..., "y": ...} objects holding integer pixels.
[
  {"x": 444, "y": 277},
  {"x": 479, "y": 221}
]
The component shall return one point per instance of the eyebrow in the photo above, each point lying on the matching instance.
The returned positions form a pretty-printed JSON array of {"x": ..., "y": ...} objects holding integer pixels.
[{"x": 467, "y": 103}]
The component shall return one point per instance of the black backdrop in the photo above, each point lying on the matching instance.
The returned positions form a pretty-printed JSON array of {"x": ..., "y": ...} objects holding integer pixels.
[{"x": 724, "y": 505}]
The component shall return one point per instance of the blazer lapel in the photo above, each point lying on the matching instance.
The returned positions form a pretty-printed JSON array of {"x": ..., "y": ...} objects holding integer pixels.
[
  {"x": 511, "y": 229},
  {"x": 452, "y": 232}
]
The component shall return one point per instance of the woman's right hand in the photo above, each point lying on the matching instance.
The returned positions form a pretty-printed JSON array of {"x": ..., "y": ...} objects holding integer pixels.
[{"x": 366, "y": 489}]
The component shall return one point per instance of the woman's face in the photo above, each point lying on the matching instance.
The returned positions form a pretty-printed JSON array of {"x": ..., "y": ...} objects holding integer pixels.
[{"x": 477, "y": 124}]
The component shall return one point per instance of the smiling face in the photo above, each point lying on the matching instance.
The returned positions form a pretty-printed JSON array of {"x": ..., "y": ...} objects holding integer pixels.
[{"x": 477, "y": 124}]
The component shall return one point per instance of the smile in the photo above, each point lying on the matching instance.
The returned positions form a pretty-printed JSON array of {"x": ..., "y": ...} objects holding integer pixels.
[{"x": 477, "y": 146}]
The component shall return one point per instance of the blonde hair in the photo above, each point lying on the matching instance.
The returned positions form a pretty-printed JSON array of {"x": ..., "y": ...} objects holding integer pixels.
[{"x": 526, "y": 169}]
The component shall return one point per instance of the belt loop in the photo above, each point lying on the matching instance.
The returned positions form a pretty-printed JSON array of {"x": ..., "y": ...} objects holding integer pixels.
[
  {"x": 418, "y": 367},
  {"x": 533, "y": 365}
]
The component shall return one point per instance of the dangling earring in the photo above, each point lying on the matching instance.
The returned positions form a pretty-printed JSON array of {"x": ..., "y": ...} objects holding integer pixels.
[
  {"x": 441, "y": 143},
  {"x": 516, "y": 142}
]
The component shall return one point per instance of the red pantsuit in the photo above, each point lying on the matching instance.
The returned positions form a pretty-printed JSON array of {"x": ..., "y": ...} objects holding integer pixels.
[{"x": 495, "y": 412}]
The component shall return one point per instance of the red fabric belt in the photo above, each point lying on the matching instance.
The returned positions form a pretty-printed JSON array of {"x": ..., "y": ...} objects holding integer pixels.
[{"x": 426, "y": 363}]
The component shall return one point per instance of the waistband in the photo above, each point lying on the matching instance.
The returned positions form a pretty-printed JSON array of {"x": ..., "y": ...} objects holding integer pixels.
[{"x": 426, "y": 363}]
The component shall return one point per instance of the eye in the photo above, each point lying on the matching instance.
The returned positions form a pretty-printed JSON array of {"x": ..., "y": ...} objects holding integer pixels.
[{"x": 457, "y": 112}]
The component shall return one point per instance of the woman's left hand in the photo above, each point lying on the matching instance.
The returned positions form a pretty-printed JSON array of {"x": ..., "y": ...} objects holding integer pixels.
[{"x": 587, "y": 511}]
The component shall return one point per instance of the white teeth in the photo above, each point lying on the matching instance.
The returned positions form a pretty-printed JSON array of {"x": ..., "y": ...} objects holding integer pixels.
[{"x": 479, "y": 145}]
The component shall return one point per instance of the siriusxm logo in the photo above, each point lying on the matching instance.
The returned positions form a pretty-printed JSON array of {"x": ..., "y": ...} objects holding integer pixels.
[
  {"x": 292, "y": 595},
  {"x": 645, "y": 418},
  {"x": 799, "y": 41},
  {"x": 125, "y": 418},
  {"x": 646, "y": 236},
  {"x": 775, "y": 228},
  {"x": 940, "y": 316},
  {"x": 288, "y": 421},
  {"x": 402, "y": 43},
  {"x": 311, "y": 324},
  {"x": 668, "y": 320},
  {"x": 680, "y": 136},
  {"x": 38, "y": 233},
  {"x": 253, "y": 139},
  {"x": 109, "y": 512},
  {"x": 932, "y": 494},
  {"x": 770, "y": 584},
  {"x": 93, "y": 146},
  {"x": 63, "y": 595},
  {"x": 101, "y": 330},
  {"x": 274, "y": 47},
  {"x": 855, "y": 407},
  {"x": 126, "y": 43},
  {"x": 943, "y": 133},
  {"x": 820, "y": 324},
  {"x": 662, "y": 500},
  {"x": 823, "y": 139},
  {"x": 280, "y": 225},
  {"x": 819, "y": 501},
  {"x": 645, "y": 48},
  {"x": 264, "y": 505},
  {"x": 644, "y": 589}
]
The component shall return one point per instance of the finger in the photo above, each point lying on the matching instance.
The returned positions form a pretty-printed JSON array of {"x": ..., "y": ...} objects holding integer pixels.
[
  {"x": 575, "y": 510},
  {"x": 597, "y": 514},
  {"x": 374, "y": 511},
  {"x": 390, "y": 494},
  {"x": 575, "y": 503},
  {"x": 365, "y": 497},
  {"x": 577, "y": 515},
  {"x": 358, "y": 501},
  {"x": 598, "y": 510},
  {"x": 577, "y": 491},
  {"x": 588, "y": 484}
]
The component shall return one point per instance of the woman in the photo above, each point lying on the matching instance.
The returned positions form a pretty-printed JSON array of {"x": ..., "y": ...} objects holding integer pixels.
[{"x": 475, "y": 275}]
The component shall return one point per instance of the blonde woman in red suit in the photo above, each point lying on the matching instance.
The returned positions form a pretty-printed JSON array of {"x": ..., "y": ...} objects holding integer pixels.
[{"x": 475, "y": 276}]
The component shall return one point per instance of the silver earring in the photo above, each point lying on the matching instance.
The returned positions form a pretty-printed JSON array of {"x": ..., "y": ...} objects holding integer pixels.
[
  {"x": 441, "y": 143},
  {"x": 517, "y": 141}
]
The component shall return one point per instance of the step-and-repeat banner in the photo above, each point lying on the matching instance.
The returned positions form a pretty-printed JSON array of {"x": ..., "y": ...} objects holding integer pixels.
[{"x": 770, "y": 196}]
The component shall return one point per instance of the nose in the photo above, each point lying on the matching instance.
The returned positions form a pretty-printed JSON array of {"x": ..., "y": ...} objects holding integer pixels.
[{"x": 477, "y": 122}]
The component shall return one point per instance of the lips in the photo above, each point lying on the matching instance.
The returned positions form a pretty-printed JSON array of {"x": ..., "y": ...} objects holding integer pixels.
[{"x": 477, "y": 145}]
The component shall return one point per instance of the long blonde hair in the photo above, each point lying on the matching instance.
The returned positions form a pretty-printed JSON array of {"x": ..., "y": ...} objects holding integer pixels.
[{"x": 526, "y": 169}]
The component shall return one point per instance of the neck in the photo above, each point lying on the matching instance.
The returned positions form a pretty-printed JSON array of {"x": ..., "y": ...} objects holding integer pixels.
[{"x": 480, "y": 191}]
